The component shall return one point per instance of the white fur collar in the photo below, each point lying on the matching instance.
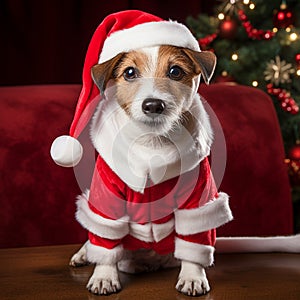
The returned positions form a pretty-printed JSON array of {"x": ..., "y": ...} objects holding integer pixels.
[{"x": 116, "y": 138}]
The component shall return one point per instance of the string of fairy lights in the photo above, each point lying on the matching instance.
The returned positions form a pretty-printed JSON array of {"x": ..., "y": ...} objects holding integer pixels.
[
  {"x": 277, "y": 70},
  {"x": 232, "y": 34}
]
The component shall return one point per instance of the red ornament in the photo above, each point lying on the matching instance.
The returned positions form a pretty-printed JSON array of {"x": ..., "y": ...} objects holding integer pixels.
[
  {"x": 228, "y": 29},
  {"x": 283, "y": 18},
  {"x": 294, "y": 152},
  {"x": 268, "y": 35},
  {"x": 297, "y": 59},
  {"x": 287, "y": 103},
  {"x": 253, "y": 33},
  {"x": 207, "y": 40}
]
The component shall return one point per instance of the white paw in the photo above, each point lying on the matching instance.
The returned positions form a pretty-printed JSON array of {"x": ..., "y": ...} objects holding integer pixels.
[
  {"x": 193, "y": 287},
  {"x": 104, "y": 281},
  {"x": 79, "y": 258},
  {"x": 192, "y": 280}
]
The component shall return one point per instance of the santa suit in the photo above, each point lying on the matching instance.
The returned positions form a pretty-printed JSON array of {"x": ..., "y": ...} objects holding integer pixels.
[{"x": 176, "y": 212}]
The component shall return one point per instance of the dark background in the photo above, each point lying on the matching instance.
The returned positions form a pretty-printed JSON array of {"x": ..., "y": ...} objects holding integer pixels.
[{"x": 44, "y": 42}]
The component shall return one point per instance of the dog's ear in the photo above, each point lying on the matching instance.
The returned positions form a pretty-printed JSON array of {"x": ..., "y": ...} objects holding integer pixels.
[
  {"x": 205, "y": 62},
  {"x": 103, "y": 72}
]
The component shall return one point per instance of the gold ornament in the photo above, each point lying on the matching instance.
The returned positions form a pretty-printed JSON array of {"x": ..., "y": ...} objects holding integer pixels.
[{"x": 278, "y": 71}]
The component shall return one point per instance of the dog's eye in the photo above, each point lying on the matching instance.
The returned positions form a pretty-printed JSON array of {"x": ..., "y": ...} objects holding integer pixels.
[
  {"x": 130, "y": 74},
  {"x": 175, "y": 73}
]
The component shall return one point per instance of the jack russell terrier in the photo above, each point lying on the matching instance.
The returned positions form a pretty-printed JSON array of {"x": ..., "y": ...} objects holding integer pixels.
[{"x": 152, "y": 202}]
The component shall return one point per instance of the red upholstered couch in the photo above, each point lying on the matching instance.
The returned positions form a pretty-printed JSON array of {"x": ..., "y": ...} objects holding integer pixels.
[{"x": 37, "y": 198}]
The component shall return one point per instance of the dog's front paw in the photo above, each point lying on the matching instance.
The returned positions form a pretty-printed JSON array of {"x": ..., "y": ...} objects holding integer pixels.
[
  {"x": 79, "y": 258},
  {"x": 192, "y": 280},
  {"x": 192, "y": 287},
  {"x": 104, "y": 281}
]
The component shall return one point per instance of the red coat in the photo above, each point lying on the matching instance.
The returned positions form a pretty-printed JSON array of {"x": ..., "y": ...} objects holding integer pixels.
[{"x": 173, "y": 216}]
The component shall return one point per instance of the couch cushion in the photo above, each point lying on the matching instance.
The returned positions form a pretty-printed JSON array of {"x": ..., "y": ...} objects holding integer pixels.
[{"x": 37, "y": 197}]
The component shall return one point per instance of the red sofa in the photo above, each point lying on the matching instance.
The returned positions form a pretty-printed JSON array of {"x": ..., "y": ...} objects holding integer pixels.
[{"x": 37, "y": 197}]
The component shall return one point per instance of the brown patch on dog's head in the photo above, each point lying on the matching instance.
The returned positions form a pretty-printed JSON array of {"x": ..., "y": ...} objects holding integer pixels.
[
  {"x": 173, "y": 57},
  {"x": 115, "y": 70},
  {"x": 177, "y": 70},
  {"x": 102, "y": 73},
  {"x": 138, "y": 63},
  {"x": 191, "y": 62},
  {"x": 204, "y": 62}
]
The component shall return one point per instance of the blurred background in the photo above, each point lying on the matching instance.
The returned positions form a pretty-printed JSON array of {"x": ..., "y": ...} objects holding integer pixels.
[{"x": 46, "y": 41}]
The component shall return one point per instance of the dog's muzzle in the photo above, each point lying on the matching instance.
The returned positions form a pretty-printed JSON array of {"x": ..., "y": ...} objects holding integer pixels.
[{"x": 153, "y": 107}]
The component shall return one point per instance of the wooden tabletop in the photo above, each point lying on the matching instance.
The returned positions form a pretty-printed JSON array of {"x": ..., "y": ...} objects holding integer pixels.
[{"x": 43, "y": 273}]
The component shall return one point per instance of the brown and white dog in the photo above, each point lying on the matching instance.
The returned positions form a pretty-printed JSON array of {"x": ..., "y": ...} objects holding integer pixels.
[
  {"x": 153, "y": 89},
  {"x": 152, "y": 201}
]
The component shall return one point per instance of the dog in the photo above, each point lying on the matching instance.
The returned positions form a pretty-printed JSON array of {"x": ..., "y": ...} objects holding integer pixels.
[
  {"x": 152, "y": 202},
  {"x": 151, "y": 98}
]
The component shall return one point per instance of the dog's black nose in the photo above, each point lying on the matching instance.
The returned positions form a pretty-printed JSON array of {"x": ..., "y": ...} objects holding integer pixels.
[{"x": 152, "y": 107}]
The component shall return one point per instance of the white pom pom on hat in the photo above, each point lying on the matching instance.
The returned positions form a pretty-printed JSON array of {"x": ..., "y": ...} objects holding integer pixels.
[
  {"x": 119, "y": 32},
  {"x": 66, "y": 151}
]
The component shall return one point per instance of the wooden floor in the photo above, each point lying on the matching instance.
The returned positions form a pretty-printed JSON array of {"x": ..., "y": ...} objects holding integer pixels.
[{"x": 43, "y": 273}]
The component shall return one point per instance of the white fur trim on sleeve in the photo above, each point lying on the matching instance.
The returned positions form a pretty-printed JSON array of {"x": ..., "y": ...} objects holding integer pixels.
[
  {"x": 106, "y": 228},
  {"x": 196, "y": 253},
  {"x": 212, "y": 215},
  {"x": 100, "y": 255},
  {"x": 290, "y": 244},
  {"x": 148, "y": 35}
]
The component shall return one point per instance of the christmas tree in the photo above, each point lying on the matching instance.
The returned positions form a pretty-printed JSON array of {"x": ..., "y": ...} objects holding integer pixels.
[{"x": 257, "y": 43}]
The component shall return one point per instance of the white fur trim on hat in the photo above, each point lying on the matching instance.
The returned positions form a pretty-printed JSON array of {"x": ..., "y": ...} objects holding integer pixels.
[
  {"x": 66, "y": 151},
  {"x": 196, "y": 253},
  {"x": 100, "y": 255},
  {"x": 103, "y": 227},
  {"x": 211, "y": 215},
  {"x": 148, "y": 35}
]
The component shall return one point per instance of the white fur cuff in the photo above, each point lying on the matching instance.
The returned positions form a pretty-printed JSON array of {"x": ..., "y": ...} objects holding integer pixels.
[
  {"x": 196, "y": 253},
  {"x": 100, "y": 255},
  {"x": 212, "y": 215},
  {"x": 106, "y": 228}
]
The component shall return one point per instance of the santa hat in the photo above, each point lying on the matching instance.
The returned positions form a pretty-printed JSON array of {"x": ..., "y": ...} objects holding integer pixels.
[{"x": 119, "y": 32}]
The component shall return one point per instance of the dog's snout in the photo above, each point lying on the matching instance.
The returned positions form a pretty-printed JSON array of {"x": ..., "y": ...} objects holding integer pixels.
[{"x": 152, "y": 106}]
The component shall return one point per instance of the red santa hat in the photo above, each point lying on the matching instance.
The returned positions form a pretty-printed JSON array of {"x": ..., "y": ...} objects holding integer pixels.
[{"x": 119, "y": 32}]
